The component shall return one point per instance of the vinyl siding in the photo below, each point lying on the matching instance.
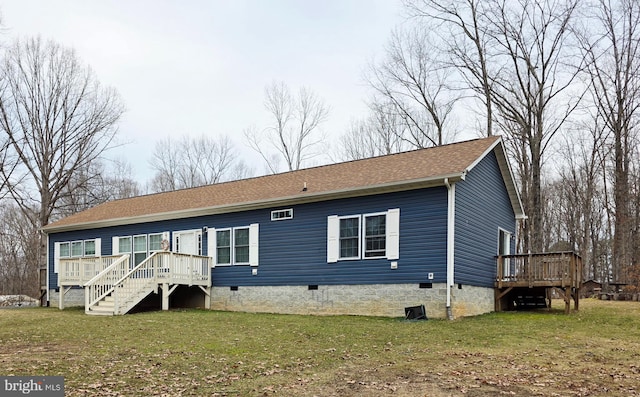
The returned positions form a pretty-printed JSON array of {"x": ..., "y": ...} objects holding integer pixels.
[
  {"x": 482, "y": 208},
  {"x": 294, "y": 251}
]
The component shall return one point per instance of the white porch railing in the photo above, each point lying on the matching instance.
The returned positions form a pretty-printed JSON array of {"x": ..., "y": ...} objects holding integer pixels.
[
  {"x": 103, "y": 284},
  {"x": 133, "y": 285},
  {"x": 77, "y": 271}
]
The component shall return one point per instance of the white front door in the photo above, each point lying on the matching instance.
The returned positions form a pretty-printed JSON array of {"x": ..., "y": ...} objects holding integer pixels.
[{"x": 188, "y": 242}]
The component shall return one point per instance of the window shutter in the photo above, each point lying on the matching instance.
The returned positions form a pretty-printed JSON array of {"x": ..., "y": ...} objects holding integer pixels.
[
  {"x": 393, "y": 234},
  {"x": 56, "y": 257},
  {"x": 333, "y": 233},
  {"x": 115, "y": 245},
  {"x": 98, "y": 247},
  {"x": 253, "y": 244},
  {"x": 167, "y": 236},
  {"x": 211, "y": 245}
]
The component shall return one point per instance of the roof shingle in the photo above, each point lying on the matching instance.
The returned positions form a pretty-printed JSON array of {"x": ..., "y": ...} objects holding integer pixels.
[{"x": 394, "y": 169}]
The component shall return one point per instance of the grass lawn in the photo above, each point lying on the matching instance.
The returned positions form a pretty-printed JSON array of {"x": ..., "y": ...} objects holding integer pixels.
[{"x": 595, "y": 352}]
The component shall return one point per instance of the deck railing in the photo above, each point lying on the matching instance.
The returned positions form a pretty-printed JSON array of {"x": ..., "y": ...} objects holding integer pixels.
[
  {"x": 127, "y": 286},
  {"x": 77, "y": 271},
  {"x": 552, "y": 269}
]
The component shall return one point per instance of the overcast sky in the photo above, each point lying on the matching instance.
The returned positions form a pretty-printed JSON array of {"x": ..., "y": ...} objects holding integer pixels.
[{"x": 200, "y": 67}]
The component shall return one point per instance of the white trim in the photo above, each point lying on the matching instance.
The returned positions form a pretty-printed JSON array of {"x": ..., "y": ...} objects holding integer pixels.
[
  {"x": 98, "y": 247},
  {"x": 47, "y": 257},
  {"x": 56, "y": 257},
  {"x": 211, "y": 245},
  {"x": 451, "y": 228},
  {"x": 393, "y": 234},
  {"x": 333, "y": 239},
  {"x": 230, "y": 230},
  {"x": 196, "y": 232},
  {"x": 233, "y": 246},
  {"x": 363, "y": 234},
  {"x": 288, "y": 211},
  {"x": 254, "y": 239},
  {"x": 359, "y": 245},
  {"x": 115, "y": 245}
]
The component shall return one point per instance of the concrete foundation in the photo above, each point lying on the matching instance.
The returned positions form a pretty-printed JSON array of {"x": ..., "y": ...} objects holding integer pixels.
[{"x": 388, "y": 300}]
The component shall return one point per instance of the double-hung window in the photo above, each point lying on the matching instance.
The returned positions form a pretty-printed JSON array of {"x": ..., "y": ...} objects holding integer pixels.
[
  {"x": 350, "y": 237},
  {"x": 75, "y": 249},
  {"x": 365, "y": 236},
  {"x": 375, "y": 236},
  {"x": 234, "y": 246},
  {"x": 223, "y": 247}
]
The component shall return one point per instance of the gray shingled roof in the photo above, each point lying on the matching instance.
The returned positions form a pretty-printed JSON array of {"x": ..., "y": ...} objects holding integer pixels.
[{"x": 402, "y": 171}]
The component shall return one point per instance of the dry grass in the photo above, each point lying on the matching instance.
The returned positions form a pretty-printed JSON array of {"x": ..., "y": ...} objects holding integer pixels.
[{"x": 595, "y": 352}]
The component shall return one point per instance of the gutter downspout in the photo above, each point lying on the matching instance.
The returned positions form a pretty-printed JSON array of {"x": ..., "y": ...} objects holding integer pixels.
[{"x": 451, "y": 227}]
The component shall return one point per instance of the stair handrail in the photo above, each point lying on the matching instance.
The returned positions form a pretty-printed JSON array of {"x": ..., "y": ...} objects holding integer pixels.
[
  {"x": 147, "y": 272},
  {"x": 100, "y": 285}
]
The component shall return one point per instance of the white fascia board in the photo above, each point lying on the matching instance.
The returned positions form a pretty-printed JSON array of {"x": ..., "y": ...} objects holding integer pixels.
[{"x": 302, "y": 198}]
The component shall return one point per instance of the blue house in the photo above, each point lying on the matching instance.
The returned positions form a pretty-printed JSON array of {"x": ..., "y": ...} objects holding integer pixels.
[{"x": 366, "y": 237}]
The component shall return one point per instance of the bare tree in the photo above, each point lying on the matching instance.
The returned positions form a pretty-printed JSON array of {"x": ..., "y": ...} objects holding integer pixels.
[
  {"x": 19, "y": 239},
  {"x": 532, "y": 46},
  {"x": 379, "y": 134},
  {"x": 98, "y": 182},
  {"x": 192, "y": 162},
  {"x": 293, "y": 132},
  {"x": 413, "y": 80},
  {"x": 460, "y": 25},
  {"x": 56, "y": 119},
  {"x": 611, "y": 47}
]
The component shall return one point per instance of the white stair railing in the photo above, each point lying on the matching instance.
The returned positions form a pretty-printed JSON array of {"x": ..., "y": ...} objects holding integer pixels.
[
  {"x": 129, "y": 287},
  {"x": 136, "y": 284},
  {"x": 103, "y": 283}
]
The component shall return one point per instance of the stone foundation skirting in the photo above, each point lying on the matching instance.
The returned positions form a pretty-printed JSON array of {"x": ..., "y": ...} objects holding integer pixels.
[
  {"x": 73, "y": 298},
  {"x": 388, "y": 300}
]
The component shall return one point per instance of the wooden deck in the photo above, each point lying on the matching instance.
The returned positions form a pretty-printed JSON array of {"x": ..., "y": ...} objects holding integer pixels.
[
  {"x": 535, "y": 274},
  {"x": 112, "y": 286}
]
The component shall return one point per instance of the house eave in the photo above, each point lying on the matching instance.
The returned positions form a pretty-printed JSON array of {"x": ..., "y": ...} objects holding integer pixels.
[{"x": 301, "y": 198}]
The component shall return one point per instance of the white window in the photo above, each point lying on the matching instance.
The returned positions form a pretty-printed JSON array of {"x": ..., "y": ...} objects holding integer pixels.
[
  {"x": 280, "y": 215},
  {"x": 234, "y": 246},
  {"x": 350, "y": 237},
  {"x": 139, "y": 249},
  {"x": 89, "y": 247},
  {"x": 367, "y": 236},
  {"x": 65, "y": 250},
  {"x": 375, "y": 235},
  {"x": 75, "y": 249},
  {"x": 155, "y": 242}
]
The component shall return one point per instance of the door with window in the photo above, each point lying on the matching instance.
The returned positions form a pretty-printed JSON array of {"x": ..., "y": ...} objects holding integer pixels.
[
  {"x": 188, "y": 242},
  {"x": 504, "y": 248}
]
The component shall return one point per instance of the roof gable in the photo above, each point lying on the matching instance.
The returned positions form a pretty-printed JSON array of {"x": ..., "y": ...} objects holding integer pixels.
[{"x": 401, "y": 171}]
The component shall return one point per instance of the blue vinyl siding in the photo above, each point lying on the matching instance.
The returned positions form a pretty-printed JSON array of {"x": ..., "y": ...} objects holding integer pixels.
[
  {"x": 294, "y": 251},
  {"x": 482, "y": 208}
]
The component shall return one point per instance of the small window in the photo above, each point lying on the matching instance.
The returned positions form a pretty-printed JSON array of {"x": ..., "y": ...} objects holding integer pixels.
[
  {"x": 280, "y": 215},
  {"x": 350, "y": 237},
  {"x": 139, "y": 249},
  {"x": 65, "y": 250},
  {"x": 375, "y": 236},
  {"x": 89, "y": 248},
  {"x": 124, "y": 245},
  {"x": 241, "y": 245},
  {"x": 77, "y": 248},
  {"x": 155, "y": 242},
  {"x": 223, "y": 247}
]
